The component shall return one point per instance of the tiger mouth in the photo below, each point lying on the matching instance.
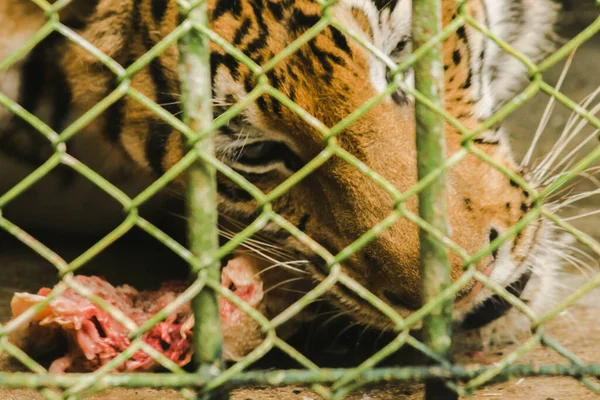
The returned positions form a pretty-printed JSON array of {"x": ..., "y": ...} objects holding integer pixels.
[
  {"x": 344, "y": 298},
  {"x": 486, "y": 312},
  {"x": 495, "y": 306}
]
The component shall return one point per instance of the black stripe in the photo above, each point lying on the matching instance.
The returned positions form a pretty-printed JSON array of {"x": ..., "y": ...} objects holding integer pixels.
[
  {"x": 301, "y": 22},
  {"x": 303, "y": 222},
  {"x": 262, "y": 102},
  {"x": 115, "y": 113},
  {"x": 62, "y": 100},
  {"x": 259, "y": 43},
  {"x": 159, "y": 130},
  {"x": 292, "y": 94},
  {"x": 382, "y": 4},
  {"x": 326, "y": 59},
  {"x": 276, "y": 107},
  {"x": 162, "y": 86},
  {"x": 400, "y": 98},
  {"x": 258, "y": 9},
  {"x": 291, "y": 72},
  {"x": 462, "y": 34},
  {"x": 114, "y": 120},
  {"x": 156, "y": 146},
  {"x": 467, "y": 83},
  {"x": 276, "y": 9},
  {"x": 233, "y": 193},
  {"x": 258, "y": 59},
  {"x": 164, "y": 97},
  {"x": 136, "y": 17},
  {"x": 456, "y": 57},
  {"x": 274, "y": 79},
  {"x": 224, "y": 6},
  {"x": 226, "y": 130},
  {"x": 109, "y": 14},
  {"x": 159, "y": 8},
  {"x": 340, "y": 41},
  {"x": 85, "y": 10},
  {"x": 32, "y": 79},
  {"x": 242, "y": 31},
  {"x": 227, "y": 60},
  {"x": 485, "y": 141}
]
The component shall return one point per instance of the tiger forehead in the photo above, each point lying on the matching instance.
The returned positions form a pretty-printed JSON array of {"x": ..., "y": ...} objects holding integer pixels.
[
  {"x": 330, "y": 69},
  {"x": 263, "y": 29}
]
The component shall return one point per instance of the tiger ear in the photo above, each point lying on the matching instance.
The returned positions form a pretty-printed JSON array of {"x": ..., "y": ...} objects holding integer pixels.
[{"x": 529, "y": 27}]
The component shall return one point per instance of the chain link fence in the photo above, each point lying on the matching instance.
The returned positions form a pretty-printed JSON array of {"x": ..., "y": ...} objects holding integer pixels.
[{"x": 211, "y": 377}]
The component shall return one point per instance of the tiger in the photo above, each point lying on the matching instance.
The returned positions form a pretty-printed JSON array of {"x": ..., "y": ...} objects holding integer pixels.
[{"x": 329, "y": 77}]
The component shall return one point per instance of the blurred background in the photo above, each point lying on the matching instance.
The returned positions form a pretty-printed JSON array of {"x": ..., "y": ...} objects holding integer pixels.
[{"x": 581, "y": 80}]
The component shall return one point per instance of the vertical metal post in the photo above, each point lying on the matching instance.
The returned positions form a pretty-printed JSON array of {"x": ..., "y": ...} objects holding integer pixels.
[
  {"x": 202, "y": 193},
  {"x": 435, "y": 266}
]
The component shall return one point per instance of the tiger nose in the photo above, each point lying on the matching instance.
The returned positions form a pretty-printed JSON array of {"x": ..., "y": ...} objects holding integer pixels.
[{"x": 398, "y": 296}]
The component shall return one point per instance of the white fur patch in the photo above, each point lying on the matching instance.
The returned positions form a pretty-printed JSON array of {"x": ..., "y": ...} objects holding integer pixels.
[{"x": 527, "y": 25}]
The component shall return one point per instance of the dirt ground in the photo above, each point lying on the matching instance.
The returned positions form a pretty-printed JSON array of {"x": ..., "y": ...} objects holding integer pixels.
[{"x": 578, "y": 329}]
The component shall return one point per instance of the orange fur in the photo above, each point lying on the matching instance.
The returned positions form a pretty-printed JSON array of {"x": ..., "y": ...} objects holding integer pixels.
[{"x": 341, "y": 202}]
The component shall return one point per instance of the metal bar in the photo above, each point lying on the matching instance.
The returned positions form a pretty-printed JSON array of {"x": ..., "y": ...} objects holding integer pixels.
[
  {"x": 201, "y": 193},
  {"x": 435, "y": 266},
  {"x": 299, "y": 376}
]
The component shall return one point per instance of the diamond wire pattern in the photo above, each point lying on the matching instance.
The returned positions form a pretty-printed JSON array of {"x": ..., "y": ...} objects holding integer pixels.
[{"x": 342, "y": 383}]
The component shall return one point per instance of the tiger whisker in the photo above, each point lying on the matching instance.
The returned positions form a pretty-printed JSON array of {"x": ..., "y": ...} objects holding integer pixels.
[
  {"x": 324, "y": 313},
  {"x": 346, "y": 329},
  {"x": 169, "y": 104},
  {"x": 547, "y": 112},
  {"x": 574, "y": 125},
  {"x": 260, "y": 251},
  {"x": 574, "y": 151},
  {"x": 249, "y": 243},
  {"x": 575, "y": 198},
  {"x": 287, "y": 266},
  {"x": 295, "y": 291},
  {"x": 229, "y": 235},
  {"x": 583, "y": 254},
  {"x": 333, "y": 318},
  {"x": 587, "y": 214},
  {"x": 285, "y": 282},
  {"x": 575, "y": 262},
  {"x": 376, "y": 341},
  {"x": 360, "y": 336},
  {"x": 169, "y": 94},
  {"x": 264, "y": 240}
]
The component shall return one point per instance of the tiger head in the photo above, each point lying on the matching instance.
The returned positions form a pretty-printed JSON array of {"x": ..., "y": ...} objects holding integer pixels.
[{"x": 329, "y": 78}]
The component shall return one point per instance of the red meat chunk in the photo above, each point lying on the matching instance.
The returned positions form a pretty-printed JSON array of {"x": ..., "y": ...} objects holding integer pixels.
[{"x": 94, "y": 337}]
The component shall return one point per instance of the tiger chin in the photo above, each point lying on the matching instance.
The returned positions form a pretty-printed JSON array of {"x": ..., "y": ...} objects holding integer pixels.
[{"x": 329, "y": 78}]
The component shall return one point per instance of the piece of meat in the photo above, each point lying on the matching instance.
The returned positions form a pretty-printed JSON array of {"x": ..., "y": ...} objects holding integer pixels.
[
  {"x": 240, "y": 332},
  {"x": 94, "y": 338}
]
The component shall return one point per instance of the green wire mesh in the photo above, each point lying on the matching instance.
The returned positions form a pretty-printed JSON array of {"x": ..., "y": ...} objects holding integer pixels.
[{"x": 204, "y": 256}]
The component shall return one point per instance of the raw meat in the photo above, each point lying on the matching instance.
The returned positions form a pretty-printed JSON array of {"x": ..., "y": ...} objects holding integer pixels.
[{"x": 94, "y": 338}]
